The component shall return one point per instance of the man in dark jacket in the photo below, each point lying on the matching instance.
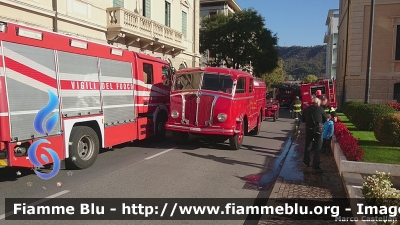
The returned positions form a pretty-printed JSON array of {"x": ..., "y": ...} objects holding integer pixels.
[{"x": 312, "y": 116}]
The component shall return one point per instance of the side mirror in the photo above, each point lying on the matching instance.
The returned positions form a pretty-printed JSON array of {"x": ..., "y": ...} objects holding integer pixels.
[{"x": 166, "y": 83}]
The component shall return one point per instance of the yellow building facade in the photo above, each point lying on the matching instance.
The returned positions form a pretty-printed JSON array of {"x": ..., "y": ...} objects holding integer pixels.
[
  {"x": 354, "y": 23},
  {"x": 167, "y": 29}
]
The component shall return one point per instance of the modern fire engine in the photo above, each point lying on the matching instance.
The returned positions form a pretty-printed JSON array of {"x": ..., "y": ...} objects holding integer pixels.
[
  {"x": 216, "y": 101},
  {"x": 75, "y": 97},
  {"x": 286, "y": 94},
  {"x": 327, "y": 87}
]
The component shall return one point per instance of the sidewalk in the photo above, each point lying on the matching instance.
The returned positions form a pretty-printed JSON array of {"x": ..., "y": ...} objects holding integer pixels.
[{"x": 297, "y": 181}]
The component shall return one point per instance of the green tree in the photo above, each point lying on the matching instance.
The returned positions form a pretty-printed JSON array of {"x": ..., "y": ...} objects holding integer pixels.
[
  {"x": 310, "y": 78},
  {"x": 277, "y": 76},
  {"x": 240, "y": 39}
]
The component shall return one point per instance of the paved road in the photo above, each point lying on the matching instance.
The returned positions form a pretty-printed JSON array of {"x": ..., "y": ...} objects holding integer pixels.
[{"x": 148, "y": 170}]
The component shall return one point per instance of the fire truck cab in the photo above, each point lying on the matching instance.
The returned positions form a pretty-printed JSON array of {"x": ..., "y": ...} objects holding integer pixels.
[
  {"x": 216, "y": 101},
  {"x": 327, "y": 87},
  {"x": 73, "y": 97}
]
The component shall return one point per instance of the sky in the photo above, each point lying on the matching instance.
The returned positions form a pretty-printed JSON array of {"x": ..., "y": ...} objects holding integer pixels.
[{"x": 296, "y": 22}]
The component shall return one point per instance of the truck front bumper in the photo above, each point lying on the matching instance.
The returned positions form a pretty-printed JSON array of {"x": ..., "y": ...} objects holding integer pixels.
[{"x": 200, "y": 130}]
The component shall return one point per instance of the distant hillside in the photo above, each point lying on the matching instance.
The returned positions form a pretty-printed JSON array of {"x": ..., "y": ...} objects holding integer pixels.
[{"x": 302, "y": 61}]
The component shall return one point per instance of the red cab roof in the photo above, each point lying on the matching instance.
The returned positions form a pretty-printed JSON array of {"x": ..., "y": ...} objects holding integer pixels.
[{"x": 216, "y": 70}]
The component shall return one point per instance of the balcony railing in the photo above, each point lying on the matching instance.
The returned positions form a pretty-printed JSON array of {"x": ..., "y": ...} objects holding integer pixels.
[{"x": 120, "y": 19}]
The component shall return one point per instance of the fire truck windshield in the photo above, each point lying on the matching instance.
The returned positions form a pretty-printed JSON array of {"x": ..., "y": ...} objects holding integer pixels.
[{"x": 211, "y": 82}]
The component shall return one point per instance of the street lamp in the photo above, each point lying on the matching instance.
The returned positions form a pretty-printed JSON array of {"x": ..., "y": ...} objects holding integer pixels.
[{"x": 369, "y": 60}]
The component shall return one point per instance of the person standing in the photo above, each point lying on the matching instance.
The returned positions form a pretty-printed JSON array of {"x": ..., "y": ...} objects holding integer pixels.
[
  {"x": 314, "y": 117},
  {"x": 296, "y": 107},
  {"x": 318, "y": 94},
  {"x": 327, "y": 135},
  {"x": 327, "y": 108}
]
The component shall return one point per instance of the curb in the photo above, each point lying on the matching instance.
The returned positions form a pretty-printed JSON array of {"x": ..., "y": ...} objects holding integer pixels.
[
  {"x": 346, "y": 166},
  {"x": 353, "y": 184}
]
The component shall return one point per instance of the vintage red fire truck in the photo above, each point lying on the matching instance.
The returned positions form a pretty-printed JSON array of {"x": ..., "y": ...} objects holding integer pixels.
[
  {"x": 76, "y": 95},
  {"x": 216, "y": 101},
  {"x": 327, "y": 87}
]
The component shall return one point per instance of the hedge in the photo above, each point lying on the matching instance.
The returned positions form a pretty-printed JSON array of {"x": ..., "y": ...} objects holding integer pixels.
[
  {"x": 366, "y": 116},
  {"x": 387, "y": 130},
  {"x": 350, "y": 109},
  {"x": 347, "y": 142}
]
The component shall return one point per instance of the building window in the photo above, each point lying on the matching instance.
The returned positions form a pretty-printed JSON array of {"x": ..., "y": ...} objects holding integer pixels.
[
  {"x": 118, "y": 3},
  {"x": 397, "y": 52},
  {"x": 241, "y": 85},
  {"x": 148, "y": 73},
  {"x": 147, "y": 8},
  {"x": 212, "y": 14},
  {"x": 184, "y": 24},
  {"x": 396, "y": 91},
  {"x": 167, "y": 14}
]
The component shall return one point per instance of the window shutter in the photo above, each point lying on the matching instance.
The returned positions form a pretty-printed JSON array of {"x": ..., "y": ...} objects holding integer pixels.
[
  {"x": 118, "y": 3},
  {"x": 167, "y": 14},
  {"x": 184, "y": 23},
  {"x": 147, "y": 8}
]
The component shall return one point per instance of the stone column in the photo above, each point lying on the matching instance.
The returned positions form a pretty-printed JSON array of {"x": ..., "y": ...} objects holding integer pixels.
[{"x": 196, "y": 33}]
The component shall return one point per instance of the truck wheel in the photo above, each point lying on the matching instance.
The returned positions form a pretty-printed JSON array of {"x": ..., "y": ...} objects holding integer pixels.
[
  {"x": 160, "y": 131},
  {"x": 245, "y": 127},
  {"x": 180, "y": 138},
  {"x": 236, "y": 141},
  {"x": 83, "y": 148}
]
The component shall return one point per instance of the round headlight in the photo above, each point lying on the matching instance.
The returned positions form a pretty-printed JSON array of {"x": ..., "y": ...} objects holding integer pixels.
[
  {"x": 222, "y": 117},
  {"x": 174, "y": 114}
]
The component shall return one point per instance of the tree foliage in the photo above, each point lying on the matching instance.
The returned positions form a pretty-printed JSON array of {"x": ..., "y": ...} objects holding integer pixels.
[
  {"x": 301, "y": 61},
  {"x": 310, "y": 78},
  {"x": 239, "y": 39},
  {"x": 277, "y": 76}
]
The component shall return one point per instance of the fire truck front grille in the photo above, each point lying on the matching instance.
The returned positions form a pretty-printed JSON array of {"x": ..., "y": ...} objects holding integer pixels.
[
  {"x": 190, "y": 108},
  {"x": 205, "y": 109}
]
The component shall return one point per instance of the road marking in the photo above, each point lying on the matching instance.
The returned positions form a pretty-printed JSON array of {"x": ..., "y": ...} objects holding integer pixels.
[
  {"x": 158, "y": 154},
  {"x": 37, "y": 202},
  {"x": 150, "y": 157}
]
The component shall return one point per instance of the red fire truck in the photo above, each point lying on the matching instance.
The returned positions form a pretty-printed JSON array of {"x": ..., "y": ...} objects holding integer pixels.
[
  {"x": 77, "y": 96},
  {"x": 327, "y": 87},
  {"x": 286, "y": 94},
  {"x": 216, "y": 101}
]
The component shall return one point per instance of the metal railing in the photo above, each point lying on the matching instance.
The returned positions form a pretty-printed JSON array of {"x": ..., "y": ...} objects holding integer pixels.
[{"x": 130, "y": 21}]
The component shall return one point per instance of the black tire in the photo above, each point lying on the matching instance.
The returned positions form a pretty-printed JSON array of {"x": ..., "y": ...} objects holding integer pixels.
[
  {"x": 235, "y": 142},
  {"x": 274, "y": 116},
  {"x": 83, "y": 149},
  {"x": 256, "y": 130},
  {"x": 245, "y": 127},
  {"x": 180, "y": 138},
  {"x": 160, "y": 131}
]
